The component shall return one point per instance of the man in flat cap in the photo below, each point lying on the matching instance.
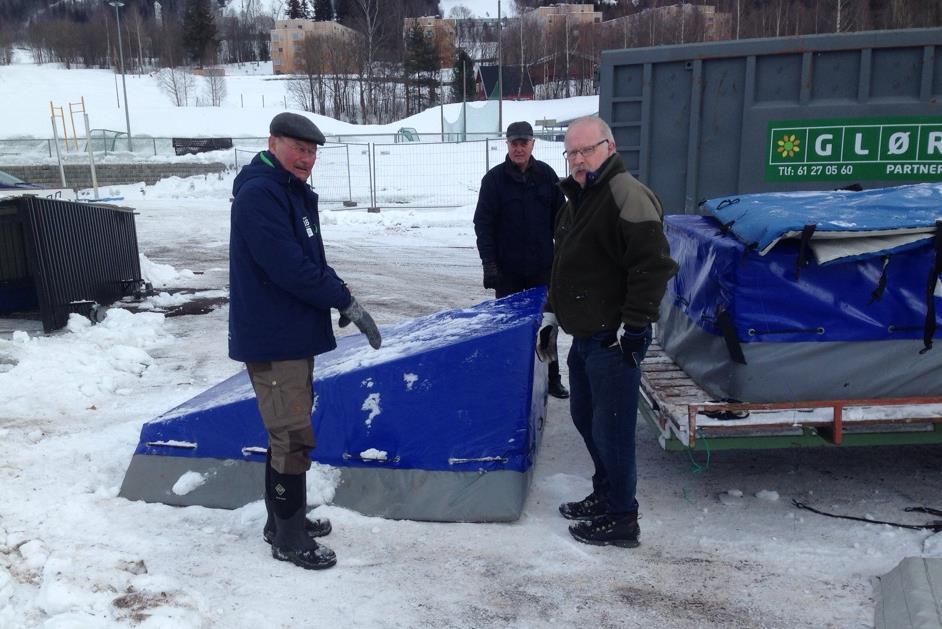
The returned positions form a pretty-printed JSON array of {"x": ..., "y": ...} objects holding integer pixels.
[
  {"x": 514, "y": 222},
  {"x": 281, "y": 293}
]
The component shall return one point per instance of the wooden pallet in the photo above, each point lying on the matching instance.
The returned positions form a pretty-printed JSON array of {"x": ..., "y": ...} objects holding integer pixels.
[{"x": 677, "y": 404}]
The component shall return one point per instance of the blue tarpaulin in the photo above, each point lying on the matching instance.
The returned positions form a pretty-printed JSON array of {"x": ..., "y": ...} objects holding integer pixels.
[
  {"x": 449, "y": 399},
  {"x": 890, "y": 219},
  {"x": 767, "y": 328},
  {"x": 769, "y": 302}
]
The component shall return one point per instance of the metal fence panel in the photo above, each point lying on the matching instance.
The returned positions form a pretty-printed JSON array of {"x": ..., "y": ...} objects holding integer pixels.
[
  {"x": 403, "y": 174},
  {"x": 80, "y": 254}
]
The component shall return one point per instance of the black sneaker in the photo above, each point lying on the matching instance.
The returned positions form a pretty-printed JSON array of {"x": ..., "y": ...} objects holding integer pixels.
[
  {"x": 318, "y": 527},
  {"x": 607, "y": 530},
  {"x": 318, "y": 557},
  {"x": 592, "y": 506},
  {"x": 557, "y": 390}
]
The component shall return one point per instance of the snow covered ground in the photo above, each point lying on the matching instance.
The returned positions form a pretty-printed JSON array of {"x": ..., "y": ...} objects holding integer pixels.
[{"x": 722, "y": 545}]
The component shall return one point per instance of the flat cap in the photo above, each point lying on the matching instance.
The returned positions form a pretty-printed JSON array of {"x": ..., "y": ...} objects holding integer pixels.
[
  {"x": 519, "y": 131},
  {"x": 296, "y": 126}
]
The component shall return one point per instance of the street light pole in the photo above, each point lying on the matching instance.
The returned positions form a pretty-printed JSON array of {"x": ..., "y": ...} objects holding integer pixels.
[
  {"x": 127, "y": 114},
  {"x": 500, "y": 78}
]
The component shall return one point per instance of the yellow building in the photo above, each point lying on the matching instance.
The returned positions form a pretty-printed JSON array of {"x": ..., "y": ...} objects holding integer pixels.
[
  {"x": 563, "y": 14},
  {"x": 287, "y": 45}
]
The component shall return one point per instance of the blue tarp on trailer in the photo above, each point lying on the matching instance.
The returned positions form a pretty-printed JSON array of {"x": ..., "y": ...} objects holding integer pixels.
[
  {"x": 768, "y": 301},
  {"x": 783, "y": 327},
  {"x": 442, "y": 423},
  {"x": 882, "y": 221}
]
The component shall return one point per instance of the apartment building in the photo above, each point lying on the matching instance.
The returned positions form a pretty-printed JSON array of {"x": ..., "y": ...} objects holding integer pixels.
[
  {"x": 564, "y": 15},
  {"x": 672, "y": 24},
  {"x": 287, "y": 45}
]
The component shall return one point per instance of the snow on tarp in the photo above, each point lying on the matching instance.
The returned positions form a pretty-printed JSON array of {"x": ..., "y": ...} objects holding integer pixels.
[
  {"x": 847, "y": 224},
  {"x": 910, "y": 595},
  {"x": 442, "y": 423}
]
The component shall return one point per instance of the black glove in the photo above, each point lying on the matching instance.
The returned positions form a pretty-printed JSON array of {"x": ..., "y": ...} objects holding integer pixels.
[
  {"x": 362, "y": 319},
  {"x": 634, "y": 343},
  {"x": 491, "y": 275},
  {"x": 546, "y": 338}
]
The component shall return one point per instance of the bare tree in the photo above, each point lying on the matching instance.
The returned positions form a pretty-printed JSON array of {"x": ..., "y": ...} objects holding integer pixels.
[
  {"x": 6, "y": 45},
  {"x": 371, "y": 26},
  {"x": 215, "y": 82},
  {"x": 177, "y": 84},
  {"x": 309, "y": 91},
  {"x": 460, "y": 12}
]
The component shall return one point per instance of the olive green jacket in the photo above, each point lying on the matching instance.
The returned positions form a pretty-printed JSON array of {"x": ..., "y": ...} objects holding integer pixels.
[{"x": 612, "y": 260}]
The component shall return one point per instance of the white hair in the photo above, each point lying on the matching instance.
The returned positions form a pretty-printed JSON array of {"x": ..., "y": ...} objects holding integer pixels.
[{"x": 599, "y": 124}]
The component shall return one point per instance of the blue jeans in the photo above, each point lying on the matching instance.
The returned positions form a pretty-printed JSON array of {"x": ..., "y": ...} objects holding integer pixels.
[{"x": 603, "y": 386}]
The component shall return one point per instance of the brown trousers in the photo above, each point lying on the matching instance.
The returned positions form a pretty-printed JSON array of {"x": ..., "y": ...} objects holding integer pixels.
[{"x": 285, "y": 396}]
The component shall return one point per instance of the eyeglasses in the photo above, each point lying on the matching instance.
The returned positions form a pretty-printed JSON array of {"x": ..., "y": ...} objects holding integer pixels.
[{"x": 585, "y": 152}]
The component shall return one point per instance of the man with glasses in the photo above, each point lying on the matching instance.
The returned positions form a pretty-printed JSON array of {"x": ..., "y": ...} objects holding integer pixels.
[
  {"x": 610, "y": 270},
  {"x": 280, "y": 296},
  {"x": 513, "y": 222}
]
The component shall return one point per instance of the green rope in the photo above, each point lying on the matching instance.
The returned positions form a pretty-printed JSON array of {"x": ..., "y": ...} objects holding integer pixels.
[{"x": 696, "y": 467}]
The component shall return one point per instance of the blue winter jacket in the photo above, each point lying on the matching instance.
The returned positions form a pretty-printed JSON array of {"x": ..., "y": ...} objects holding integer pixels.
[{"x": 281, "y": 287}]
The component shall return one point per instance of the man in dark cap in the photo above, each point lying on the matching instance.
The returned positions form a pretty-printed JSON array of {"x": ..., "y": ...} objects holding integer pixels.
[
  {"x": 514, "y": 222},
  {"x": 281, "y": 293}
]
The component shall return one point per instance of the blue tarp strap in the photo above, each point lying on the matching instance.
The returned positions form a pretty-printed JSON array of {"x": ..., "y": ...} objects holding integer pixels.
[
  {"x": 881, "y": 284},
  {"x": 806, "y": 233},
  {"x": 934, "y": 273},
  {"x": 725, "y": 227}
]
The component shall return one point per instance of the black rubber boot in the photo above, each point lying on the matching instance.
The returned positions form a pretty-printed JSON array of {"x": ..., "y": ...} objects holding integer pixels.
[
  {"x": 318, "y": 527},
  {"x": 291, "y": 542},
  {"x": 620, "y": 530},
  {"x": 556, "y": 388}
]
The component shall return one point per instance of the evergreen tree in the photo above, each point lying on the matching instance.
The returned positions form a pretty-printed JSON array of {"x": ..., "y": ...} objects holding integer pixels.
[
  {"x": 421, "y": 65},
  {"x": 343, "y": 11},
  {"x": 323, "y": 10},
  {"x": 199, "y": 31},
  {"x": 297, "y": 9},
  {"x": 462, "y": 83}
]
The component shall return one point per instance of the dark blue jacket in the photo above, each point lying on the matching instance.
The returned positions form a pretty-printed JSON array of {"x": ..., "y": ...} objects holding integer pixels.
[
  {"x": 515, "y": 217},
  {"x": 281, "y": 287}
]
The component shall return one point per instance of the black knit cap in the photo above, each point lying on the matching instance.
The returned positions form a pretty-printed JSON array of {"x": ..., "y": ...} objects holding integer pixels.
[
  {"x": 296, "y": 126},
  {"x": 519, "y": 131}
]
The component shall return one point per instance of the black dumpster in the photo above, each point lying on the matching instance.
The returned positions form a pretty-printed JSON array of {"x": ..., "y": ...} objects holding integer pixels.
[{"x": 59, "y": 257}]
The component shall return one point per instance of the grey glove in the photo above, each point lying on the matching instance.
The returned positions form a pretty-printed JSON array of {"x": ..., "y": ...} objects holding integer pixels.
[
  {"x": 546, "y": 338},
  {"x": 362, "y": 319}
]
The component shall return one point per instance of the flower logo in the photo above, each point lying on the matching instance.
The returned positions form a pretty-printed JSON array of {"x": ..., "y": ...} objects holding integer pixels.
[{"x": 788, "y": 145}]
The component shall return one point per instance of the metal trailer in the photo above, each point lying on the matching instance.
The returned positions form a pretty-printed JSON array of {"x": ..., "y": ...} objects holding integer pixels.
[
  {"x": 816, "y": 112},
  {"x": 677, "y": 408}
]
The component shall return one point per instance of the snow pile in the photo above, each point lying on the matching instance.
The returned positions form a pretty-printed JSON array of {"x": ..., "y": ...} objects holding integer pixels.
[
  {"x": 162, "y": 274},
  {"x": 104, "y": 362}
]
